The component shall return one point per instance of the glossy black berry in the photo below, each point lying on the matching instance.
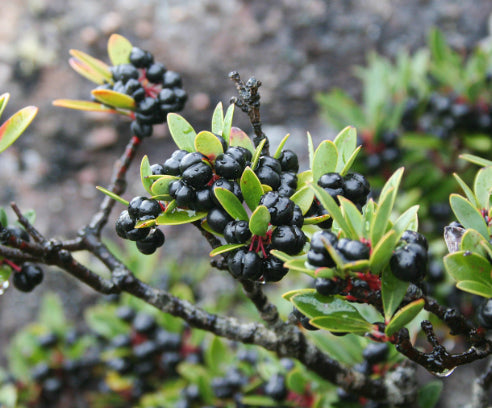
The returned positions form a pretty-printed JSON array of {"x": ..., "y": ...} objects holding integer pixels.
[
  {"x": 375, "y": 353},
  {"x": 141, "y": 130},
  {"x": 157, "y": 169},
  {"x": 244, "y": 264},
  {"x": 356, "y": 188},
  {"x": 167, "y": 341},
  {"x": 237, "y": 232},
  {"x": 281, "y": 208},
  {"x": 203, "y": 200},
  {"x": 171, "y": 165},
  {"x": 318, "y": 254},
  {"x": 125, "y": 313},
  {"x": 197, "y": 175},
  {"x": 40, "y": 372},
  {"x": 134, "y": 206},
  {"x": 413, "y": 237},
  {"x": 144, "y": 323},
  {"x": 155, "y": 73},
  {"x": 28, "y": 277},
  {"x": 230, "y": 185},
  {"x": 172, "y": 79},
  {"x": 268, "y": 176},
  {"x": 151, "y": 242},
  {"x": 217, "y": 219},
  {"x": 303, "y": 320},
  {"x": 276, "y": 388},
  {"x": 353, "y": 250},
  {"x": 183, "y": 194},
  {"x": 221, "y": 388},
  {"x": 288, "y": 238},
  {"x": 331, "y": 180},
  {"x": 145, "y": 350},
  {"x": 409, "y": 263},
  {"x": 124, "y": 72},
  {"x": 228, "y": 167},
  {"x": 289, "y": 161},
  {"x": 327, "y": 287},
  {"x": 140, "y": 58},
  {"x": 297, "y": 217},
  {"x": 149, "y": 208},
  {"x": 273, "y": 269},
  {"x": 16, "y": 232}
]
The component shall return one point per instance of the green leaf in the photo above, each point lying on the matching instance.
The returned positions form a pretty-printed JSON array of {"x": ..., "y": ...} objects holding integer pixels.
[
  {"x": 403, "y": 316},
  {"x": 467, "y": 190},
  {"x": 331, "y": 206},
  {"x": 258, "y": 401},
  {"x": 231, "y": 204},
  {"x": 312, "y": 304},
  {"x": 352, "y": 215},
  {"x": 119, "y": 49},
  {"x": 145, "y": 172},
  {"x": 82, "y": 105},
  {"x": 114, "y": 196},
  {"x": 468, "y": 215},
  {"x": 216, "y": 355},
  {"x": 429, "y": 394},
  {"x": 476, "y": 288},
  {"x": 299, "y": 265},
  {"x": 303, "y": 198},
  {"x": 476, "y": 160},
  {"x": 296, "y": 381},
  {"x": 281, "y": 145},
  {"x": 224, "y": 248},
  {"x": 251, "y": 188},
  {"x": 240, "y": 138},
  {"x": 97, "y": 65},
  {"x": 380, "y": 219},
  {"x": 281, "y": 255},
  {"x": 350, "y": 161},
  {"x": 405, "y": 220},
  {"x": 3, "y": 217},
  {"x": 467, "y": 266},
  {"x": 257, "y": 154},
  {"x": 179, "y": 216},
  {"x": 382, "y": 252},
  {"x": 4, "y": 100},
  {"x": 8, "y": 395},
  {"x": 160, "y": 187},
  {"x": 393, "y": 291},
  {"x": 112, "y": 98},
  {"x": 325, "y": 159},
  {"x": 208, "y": 144},
  {"x": 51, "y": 313},
  {"x": 310, "y": 150},
  {"x": 87, "y": 71},
  {"x": 15, "y": 126},
  {"x": 181, "y": 131},
  {"x": 316, "y": 219},
  {"x": 343, "y": 322},
  {"x": 5, "y": 273},
  {"x": 259, "y": 221},
  {"x": 227, "y": 126},
  {"x": 473, "y": 241},
  {"x": 346, "y": 143},
  {"x": 483, "y": 187},
  {"x": 218, "y": 119}
]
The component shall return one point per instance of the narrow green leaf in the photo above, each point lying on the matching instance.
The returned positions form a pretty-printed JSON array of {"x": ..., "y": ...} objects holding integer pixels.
[
  {"x": 392, "y": 291},
  {"x": 483, "y": 186},
  {"x": 182, "y": 132},
  {"x": 403, "y": 221},
  {"x": 362, "y": 265},
  {"x": 299, "y": 265},
  {"x": 179, "y": 216},
  {"x": 303, "y": 198},
  {"x": 258, "y": 401},
  {"x": 281, "y": 255},
  {"x": 352, "y": 215},
  {"x": 281, "y": 145},
  {"x": 251, "y": 188},
  {"x": 467, "y": 190},
  {"x": 476, "y": 288},
  {"x": 145, "y": 172},
  {"x": 382, "y": 252},
  {"x": 467, "y": 266},
  {"x": 82, "y": 105},
  {"x": 216, "y": 355},
  {"x": 380, "y": 219},
  {"x": 3, "y": 217},
  {"x": 225, "y": 248},
  {"x": 310, "y": 150},
  {"x": 227, "y": 126},
  {"x": 96, "y": 64},
  {"x": 15, "y": 126},
  {"x": 112, "y": 98},
  {"x": 476, "y": 160},
  {"x": 350, "y": 161},
  {"x": 331, "y": 206},
  {"x": 257, "y": 154},
  {"x": 468, "y": 215},
  {"x": 51, "y": 313},
  {"x": 325, "y": 159},
  {"x": 392, "y": 183},
  {"x": 403, "y": 316},
  {"x": 429, "y": 394},
  {"x": 218, "y": 120},
  {"x": 346, "y": 143},
  {"x": 296, "y": 381},
  {"x": 343, "y": 322},
  {"x": 316, "y": 220},
  {"x": 119, "y": 49},
  {"x": 160, "y": 187},
  {"x": 146, "y": 223},
  {"x": 86, "y": 71},
  {"x": 231, "y": 204},
  {"x": 237, "y": 137},
  {"x": 259, "y": 221},
  {"x": 4, "y": 100},
  {"x": 208, "y": 144},
  {"x": 113, "y": 195},
  {"x": 312, "y": 304},
  {"x": 304, "y": 178}
]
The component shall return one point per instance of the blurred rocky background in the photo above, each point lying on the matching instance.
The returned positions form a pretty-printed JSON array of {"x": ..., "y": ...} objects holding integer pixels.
[{"x": 295, "y": 47}]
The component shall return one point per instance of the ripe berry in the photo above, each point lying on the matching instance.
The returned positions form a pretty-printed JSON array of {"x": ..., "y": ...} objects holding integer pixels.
[
  {"x": 197, "y": 175},
  {"x": 288, "y": 238},
  {"x": 227, "y": 166},
  {"x": 14, "y": 231},
  {"x": 331, "y": 180},
  {"x": 356, "y": 188},
  {"x": 125, "y": 313},
  {"x": 203, "y": 200},
  {"x": 244, "y": 264},
  {"x": 217, "y": 219},
  {"x": 413, "y": 237},
  {"x": 125, "y": 228},
  {"x": 297, "y": 217},
  {"x": 141, "y": 130},
  {"x": 281, "y": 208},
  {"x": 289, "y": 161},
  {"x": 28, "y": 277},
  {"x": 171, "y": 165},
  {"x": 155, "y": 73},
  {"x": 237, "y": 232},
  {"x": 124, "y": 72},
  {"x": 172, "y": 79},
  {"x": 232, "y": 186},
  {"x": 148, "y": 209},
  {"x": 353, "y": 250},
  {"x": 409, "y": 263},
  {"x": 268, "y": 176},
  {"x": 327, "y": 287},
  {"x": 151, "y": 242},
  {"x": 273, "y": 269},
  {"x": 144, "y": 323},
  {"x": 157, "y": 169},
  {"x": 318, "y": 254},
  {"x": 182, "y": 193},
  {"x": 276, "y": 388},
  {"x": 304, "y": 320},
  {"x": 140, "y": 58}
]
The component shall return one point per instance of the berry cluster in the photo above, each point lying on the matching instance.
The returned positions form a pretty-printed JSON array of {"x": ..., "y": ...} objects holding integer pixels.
[
  {"x": 148, "y": 239},
  {"x": 348, "y": 250},
  {"x": 409, "y": 261},
  {"x": 156, "y": 90},
  {"x": 280, "y": 174},
  {"x": 27, "y": 276}
]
